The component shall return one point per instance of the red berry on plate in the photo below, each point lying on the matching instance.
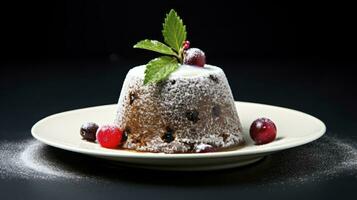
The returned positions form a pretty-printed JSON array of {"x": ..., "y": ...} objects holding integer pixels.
[
  {"x": 186, "y": 44},
  {"x": 194, "y": 56},
  {"x": 109, "y": 136},
  {"x": 263, "y": 131}
]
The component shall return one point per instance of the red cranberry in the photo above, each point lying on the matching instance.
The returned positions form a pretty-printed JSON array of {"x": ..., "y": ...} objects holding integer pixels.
[
  {"x": 109, "y": 136},
  {"x": 263, "y": 131},
  {"x": 88, "y": 131},
  {"x": 186, "y": 44},
  {"x": 194, "y": 56},
  {"x": 168, "y": 136}
]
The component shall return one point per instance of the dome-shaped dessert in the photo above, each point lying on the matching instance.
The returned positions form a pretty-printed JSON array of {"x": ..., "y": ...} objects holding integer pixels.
[{"x": 194, "y": 106}]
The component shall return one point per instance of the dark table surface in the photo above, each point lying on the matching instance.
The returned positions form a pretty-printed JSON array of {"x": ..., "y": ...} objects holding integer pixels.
[{"x": 326, "y": 90}]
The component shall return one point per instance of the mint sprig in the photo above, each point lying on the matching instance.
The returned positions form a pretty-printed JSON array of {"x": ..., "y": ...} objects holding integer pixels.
[
  {"x": 174, "y": 33},
  {"x": 154, "y": 45},
  {"x": 160, "y": 68}
]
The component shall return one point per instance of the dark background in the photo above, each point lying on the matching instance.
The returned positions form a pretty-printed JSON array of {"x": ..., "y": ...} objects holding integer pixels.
[
  {"x": 69, "y": 30},
  {"x": 62, "y": 55}
]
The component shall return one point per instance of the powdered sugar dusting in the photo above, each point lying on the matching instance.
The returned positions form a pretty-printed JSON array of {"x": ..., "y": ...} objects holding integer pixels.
[
  {"x": 346, "y": 161},
  {"x": 327, "y": 158},
  {"x": 182, "y": 71},
  {"x": 195, "y": 103},
  {"x": 27, "y": 160}
]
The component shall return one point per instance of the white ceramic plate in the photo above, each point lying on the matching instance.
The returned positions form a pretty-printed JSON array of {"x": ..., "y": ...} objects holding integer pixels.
[{"x": 294, "y": 129}]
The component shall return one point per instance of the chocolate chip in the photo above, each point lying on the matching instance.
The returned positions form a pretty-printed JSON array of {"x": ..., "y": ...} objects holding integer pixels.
[
  {"x": 135, "y": 141},
  {"x": 168, "y": 136},
  {"x": 173, "y": 82},
  {"x": 190, "y": 146},
  {"x": 224, "y": 136},
  {"x": 192, "y": 115},
  {"x": 214, "y": 78},
  {"x": 216, "y": 111},
  {"x": 132, "y": 97},
  {"x": 125, "y": 134}
]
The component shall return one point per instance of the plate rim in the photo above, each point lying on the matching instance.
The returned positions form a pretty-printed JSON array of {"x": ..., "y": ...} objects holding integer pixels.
[{"x": 264, "y": 150}]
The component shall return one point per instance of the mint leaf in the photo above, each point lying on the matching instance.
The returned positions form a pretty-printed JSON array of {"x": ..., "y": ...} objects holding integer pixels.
[
  {"x": 156, "y": 46},
  {"x": 159, "y": 69},
  {"x": 174, "y": 31}
]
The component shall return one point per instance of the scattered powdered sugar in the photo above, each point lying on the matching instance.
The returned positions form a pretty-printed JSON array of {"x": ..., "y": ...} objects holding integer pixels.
[
  {"x": 27, "y": 159},
  {"x": 347, "y": 163},
  {"x": 326, "y": 158}
]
